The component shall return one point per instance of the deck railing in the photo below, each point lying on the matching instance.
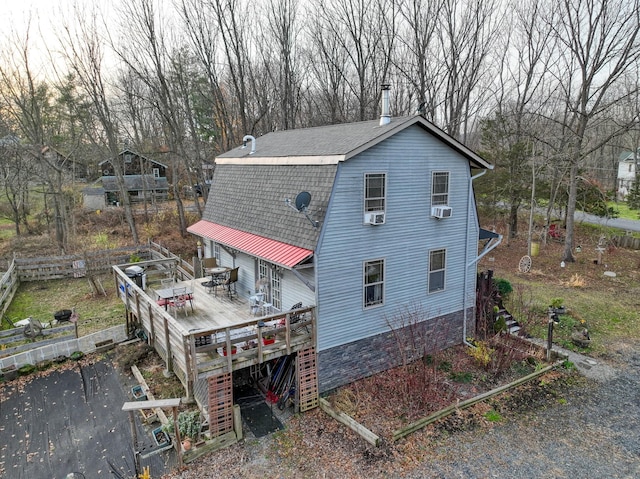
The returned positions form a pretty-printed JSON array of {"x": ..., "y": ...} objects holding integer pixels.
[
  {"x": 254, "y": 342},
  {"x": 196, "y": 354}
]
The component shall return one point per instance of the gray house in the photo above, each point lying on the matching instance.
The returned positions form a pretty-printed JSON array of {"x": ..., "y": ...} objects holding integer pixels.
[
  {"x": 144, "y": 179},
  {"x": 372, "y": 222}
]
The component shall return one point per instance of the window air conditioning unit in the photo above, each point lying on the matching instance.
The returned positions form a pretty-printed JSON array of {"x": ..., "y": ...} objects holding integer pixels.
[
  {"x": 374, "y": 218},
  {"x": 441, "y": 211}
]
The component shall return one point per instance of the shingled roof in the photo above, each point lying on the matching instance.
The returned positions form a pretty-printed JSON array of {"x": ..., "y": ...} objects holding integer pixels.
[
  {"x": 135, "y": 183},
  {"x": 337, "y": 142},
  {"x": 249, "y": 189},
  {"x": 252, "y": 198}
]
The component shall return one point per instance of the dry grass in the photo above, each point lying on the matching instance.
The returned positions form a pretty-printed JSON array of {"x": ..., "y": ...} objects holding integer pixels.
[
  {"x": 390, "y": 400},
  {"x": 42, "y": 299}
]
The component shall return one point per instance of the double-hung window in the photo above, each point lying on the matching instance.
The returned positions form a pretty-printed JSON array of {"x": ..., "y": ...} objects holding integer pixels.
[
  {"x": 437, "y": 269},
  {"x": 373, "y": 282},
  {"x": 374, "y": 192},
  {"x": 440, "y": 188}
]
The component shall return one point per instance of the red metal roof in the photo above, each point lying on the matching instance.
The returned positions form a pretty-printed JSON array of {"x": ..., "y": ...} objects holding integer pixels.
[{"x": 274, "y": 251}]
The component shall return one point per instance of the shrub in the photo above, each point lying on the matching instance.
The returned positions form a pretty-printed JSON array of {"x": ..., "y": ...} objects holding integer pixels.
[
  {"x": 461, "y": 377},
  {"x": 503, "y": 286},
  {"x": 189, "y": 424},
  {"x": 482, "y": 353},
  {"x": 26, "y": 369},
  {"x": 493, "y": 416}
]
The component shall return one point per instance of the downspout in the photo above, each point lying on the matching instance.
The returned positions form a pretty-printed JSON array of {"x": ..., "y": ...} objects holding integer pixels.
[{"x": 468, "y": 263}]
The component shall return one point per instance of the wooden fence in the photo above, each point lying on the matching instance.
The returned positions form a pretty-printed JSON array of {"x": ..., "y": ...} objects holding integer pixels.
[
  {"x": 627, "y": 241},
  {"x": 57, "y": 267},
  {"x": 8, "y": 287},
  {"x": 77, "y": 266}
]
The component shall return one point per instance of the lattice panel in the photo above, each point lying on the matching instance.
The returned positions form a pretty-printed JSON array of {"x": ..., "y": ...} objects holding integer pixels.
[
  {"x": 220, "y": 404},
  {"x": 307, "y": 382}
]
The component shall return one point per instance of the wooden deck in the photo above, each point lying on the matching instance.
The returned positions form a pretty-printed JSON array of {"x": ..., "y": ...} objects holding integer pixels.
[
  {"x": 203, "y": 346},
  {"x": 209, "y": 311},
  {"x": 193, "y": 342}
]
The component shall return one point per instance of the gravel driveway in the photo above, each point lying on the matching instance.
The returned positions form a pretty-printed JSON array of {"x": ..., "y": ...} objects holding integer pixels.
[
  {"x": 590, "y": 430},
  {"x": 595, "y": 434}
]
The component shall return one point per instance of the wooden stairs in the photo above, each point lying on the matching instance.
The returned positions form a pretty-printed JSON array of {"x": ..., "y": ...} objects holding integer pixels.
[{"x": 513, "y": 327}]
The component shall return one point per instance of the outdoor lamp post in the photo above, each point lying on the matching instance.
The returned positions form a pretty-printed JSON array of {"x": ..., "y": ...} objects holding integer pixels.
[
  {"x": 553, "y": 320},
  {"x": 199, "y": 249}
]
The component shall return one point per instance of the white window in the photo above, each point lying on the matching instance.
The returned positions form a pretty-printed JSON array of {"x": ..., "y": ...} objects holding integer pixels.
[
  {"x": 216, "y": 252},
  {"x": 276, "y": 290},
  {"x": 374, "y": 191},
  {"x": 156, "y": 172},
  {"x": 270, "y": 283},
  {"x": 437, "y": 269},
  {"x": 440, "y": 188},
  {"x": 373, "y": 282}
]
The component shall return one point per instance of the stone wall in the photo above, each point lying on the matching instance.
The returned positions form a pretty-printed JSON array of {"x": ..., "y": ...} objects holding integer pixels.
[
  {"x": 350, "y": 362},
  {"x": 86, "y": 344}
]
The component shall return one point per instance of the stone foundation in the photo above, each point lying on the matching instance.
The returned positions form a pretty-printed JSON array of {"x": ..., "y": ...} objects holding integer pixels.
[{"x": 344, "y": 364}]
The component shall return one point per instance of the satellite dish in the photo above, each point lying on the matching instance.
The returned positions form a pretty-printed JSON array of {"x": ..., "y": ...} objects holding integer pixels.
[
  {"x": 303, "y": 199},
  {"x": 302, "y": 202}
]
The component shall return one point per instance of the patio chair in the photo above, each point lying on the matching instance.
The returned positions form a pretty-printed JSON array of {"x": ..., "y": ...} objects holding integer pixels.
[
  {"x": 179, "y": 300},
  {"x": 230, "y": 282},
  {"x": 294, "y": 319},
  {"x": 209, "y": 262}
]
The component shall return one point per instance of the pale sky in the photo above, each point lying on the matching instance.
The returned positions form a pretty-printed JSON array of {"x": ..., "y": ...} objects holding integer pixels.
[{"x": 44, "y": 17}]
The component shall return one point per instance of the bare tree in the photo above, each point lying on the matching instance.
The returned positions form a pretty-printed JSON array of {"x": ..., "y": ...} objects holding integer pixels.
[
  {"x": 147, "y": 54},
  {"x": 232, "y": 21},
  {"x": 365, "y": 32},
  {"x": 599, "y": 43},
  {"x": 467, "y": 35},
  {"x": 16, "y": 171},
  {"x": 418, "y": 58},
  {"x": 29, "y": 100},
  {"x": 328, "y": 99},
  {"x": 84, "y": 54},
  {"x": 282, "y": 64},
  {"x": 509, "y": 135}
]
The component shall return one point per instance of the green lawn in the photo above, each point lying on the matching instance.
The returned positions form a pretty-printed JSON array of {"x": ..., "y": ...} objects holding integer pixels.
[
  {"x": 607, "y": 315},
  {"x": 42, "y": 299},
  {"x": 624, "y": 211}
]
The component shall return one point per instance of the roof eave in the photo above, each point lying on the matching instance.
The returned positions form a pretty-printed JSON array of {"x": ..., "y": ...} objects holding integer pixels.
[
  {"x": 431, "y": 128},
  {"x": 281, "y": 160}
]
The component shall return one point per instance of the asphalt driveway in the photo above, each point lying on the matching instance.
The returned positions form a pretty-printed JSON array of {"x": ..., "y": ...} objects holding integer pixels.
[{"x": 70, "y": 421}]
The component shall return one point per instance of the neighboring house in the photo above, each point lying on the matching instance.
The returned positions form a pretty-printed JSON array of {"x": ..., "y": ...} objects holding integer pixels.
[
  {"x": 627, "y": 171},
  {"x": 375, "y": 223},
  {"x": 144, "y": 179},
  {"x": 132, "y": 163}
]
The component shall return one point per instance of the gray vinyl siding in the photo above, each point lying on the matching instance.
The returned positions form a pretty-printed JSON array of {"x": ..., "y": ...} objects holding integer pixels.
[
  {"x": 404, "y": 242},
  {"x": 293, "y": 289}
]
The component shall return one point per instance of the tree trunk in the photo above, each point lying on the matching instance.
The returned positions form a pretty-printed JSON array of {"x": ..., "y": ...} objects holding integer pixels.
[{"x": 567, "y": 254}]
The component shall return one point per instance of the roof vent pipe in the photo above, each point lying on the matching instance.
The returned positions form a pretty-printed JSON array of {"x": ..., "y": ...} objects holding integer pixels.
[
  {"x": 253, "y": 143},
  {"x": 385, "y": 118}
]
